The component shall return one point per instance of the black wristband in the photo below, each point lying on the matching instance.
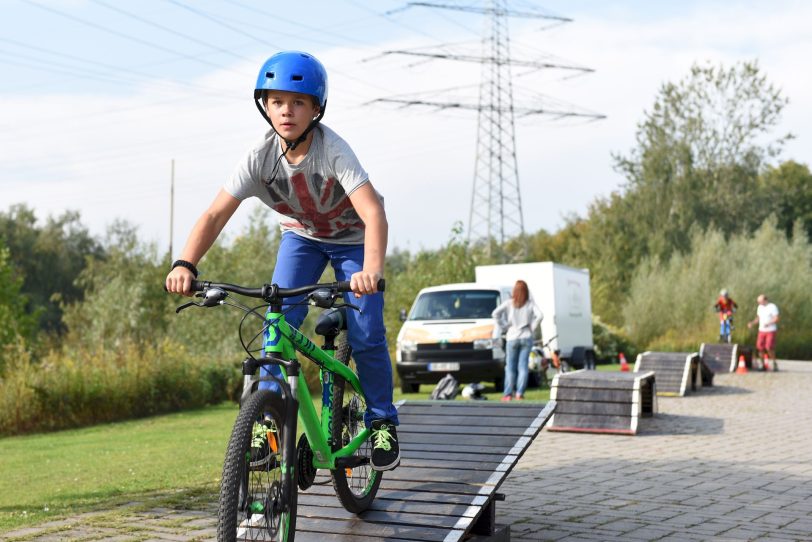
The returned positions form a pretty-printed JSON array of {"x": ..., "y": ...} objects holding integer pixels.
[{"x": 188, "y": 265}]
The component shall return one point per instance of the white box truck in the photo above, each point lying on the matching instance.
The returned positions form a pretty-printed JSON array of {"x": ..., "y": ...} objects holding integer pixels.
[{"x": 562, "y": 293}]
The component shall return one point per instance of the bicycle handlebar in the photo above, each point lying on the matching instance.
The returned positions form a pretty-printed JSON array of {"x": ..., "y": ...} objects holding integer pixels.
[{"x": 268, "y": 291}]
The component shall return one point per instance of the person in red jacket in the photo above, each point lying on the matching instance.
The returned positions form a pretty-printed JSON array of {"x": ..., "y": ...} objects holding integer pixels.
[{"x": 725, "y": 306}]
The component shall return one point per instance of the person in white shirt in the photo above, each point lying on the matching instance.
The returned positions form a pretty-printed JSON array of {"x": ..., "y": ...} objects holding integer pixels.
[
  {"x": 767, "y": 319},
  {"x": 520, "y": 316}
]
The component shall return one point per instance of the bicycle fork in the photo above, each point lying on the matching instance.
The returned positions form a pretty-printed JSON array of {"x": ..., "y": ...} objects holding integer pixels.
[{"x": 291, "y": 405}]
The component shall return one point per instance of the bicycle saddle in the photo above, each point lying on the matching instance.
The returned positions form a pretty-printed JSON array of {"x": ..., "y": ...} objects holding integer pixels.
[{"x": 331, "y": 322}]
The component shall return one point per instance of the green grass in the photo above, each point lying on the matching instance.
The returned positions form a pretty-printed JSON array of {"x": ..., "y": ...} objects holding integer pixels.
[
  {"x": 172, "y": 460},
  {"x": 50, "y": 475}
]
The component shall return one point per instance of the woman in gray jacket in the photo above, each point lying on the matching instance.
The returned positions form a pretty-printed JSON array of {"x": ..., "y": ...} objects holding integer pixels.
[{"x": 520, "y": 316}]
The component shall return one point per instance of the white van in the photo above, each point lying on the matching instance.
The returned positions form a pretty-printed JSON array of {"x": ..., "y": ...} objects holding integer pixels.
[{"x": 449, "y": 329}]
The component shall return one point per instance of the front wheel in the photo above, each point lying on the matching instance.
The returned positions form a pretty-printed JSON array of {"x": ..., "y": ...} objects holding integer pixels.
[
  {"x": 356, "y": 486},
  {"x": 258, "y": 491}
]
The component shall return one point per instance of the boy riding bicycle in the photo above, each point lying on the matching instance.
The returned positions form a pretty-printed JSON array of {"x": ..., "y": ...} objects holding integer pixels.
[
  {"x": 329, "y": 212},
  {"x": 725, "y": 306}
]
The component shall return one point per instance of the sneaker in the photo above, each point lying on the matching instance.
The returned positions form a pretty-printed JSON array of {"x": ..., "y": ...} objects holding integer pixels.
[
  {"x": 385, "y": 449},
  {"x": 506, "y": 398},
  {"x": 264, "y": 440},
  {"x": 519, "y": 397}
]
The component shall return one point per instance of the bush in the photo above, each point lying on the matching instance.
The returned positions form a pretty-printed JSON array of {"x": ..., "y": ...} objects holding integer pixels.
[
  {"x": 670, "y": 305},
  {"x": 85, "y": 387},
  {"x": 610, "y": 341}
]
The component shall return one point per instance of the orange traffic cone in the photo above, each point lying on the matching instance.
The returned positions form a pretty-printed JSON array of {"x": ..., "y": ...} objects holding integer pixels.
[
  {"x": 624, "y": 365},
  {"x": 742, "y": 367}
]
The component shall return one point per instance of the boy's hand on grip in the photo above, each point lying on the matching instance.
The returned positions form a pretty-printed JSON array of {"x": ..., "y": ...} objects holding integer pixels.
[
  {"x": 179, "y": 281},
  {"x": 364, "y": 282}
]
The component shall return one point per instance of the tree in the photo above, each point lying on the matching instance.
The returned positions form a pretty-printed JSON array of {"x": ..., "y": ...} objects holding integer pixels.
[
  {"x": 15, "y": 322},
  {"x": 49, "y": 257},
  {"x": 700, "y": 151},
  {"x": 789, "y": 191}
]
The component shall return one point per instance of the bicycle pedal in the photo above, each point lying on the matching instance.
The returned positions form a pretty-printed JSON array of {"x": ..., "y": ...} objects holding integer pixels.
[{"x": 351, "y": 462}]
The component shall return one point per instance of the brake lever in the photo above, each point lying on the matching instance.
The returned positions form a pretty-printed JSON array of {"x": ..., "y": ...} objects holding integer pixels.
[
  {"x": 211, "y": 297},
  {"x": 350, "y": 305},
  {"x": 186, "y": 306}
]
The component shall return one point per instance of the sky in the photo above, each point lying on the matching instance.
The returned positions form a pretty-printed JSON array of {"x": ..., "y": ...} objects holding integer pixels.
[{"x": 98, "y": 97}]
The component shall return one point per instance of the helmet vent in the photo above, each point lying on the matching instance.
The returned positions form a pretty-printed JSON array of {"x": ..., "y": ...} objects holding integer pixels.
[
  {"x": 296, "y": 77},
  {"x": 270, "y": 75}
]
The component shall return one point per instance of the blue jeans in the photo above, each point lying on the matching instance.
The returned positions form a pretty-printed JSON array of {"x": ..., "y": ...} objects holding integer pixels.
[
  {"x": 518, "y": 354},
  {"x": 301, "y": 261}
]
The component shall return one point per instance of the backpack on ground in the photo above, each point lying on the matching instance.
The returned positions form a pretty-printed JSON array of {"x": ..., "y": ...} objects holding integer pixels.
[{"x": 446, "y": 389}]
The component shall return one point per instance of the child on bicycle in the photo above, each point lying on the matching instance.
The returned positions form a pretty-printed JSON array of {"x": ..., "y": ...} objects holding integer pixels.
[
  {"x": 329, "y": 212},
  {"x": 725, "y": 306}
]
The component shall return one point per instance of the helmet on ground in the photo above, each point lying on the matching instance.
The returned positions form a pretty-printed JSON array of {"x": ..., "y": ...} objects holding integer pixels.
[
  {"x": 723, "y": 293},
  {"x": 293, "y": 71},
  {"x": 473, "y": 391}
]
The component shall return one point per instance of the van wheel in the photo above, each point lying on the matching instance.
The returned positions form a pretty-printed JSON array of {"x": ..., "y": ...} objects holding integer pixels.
[{"x": 409, "y": 387}]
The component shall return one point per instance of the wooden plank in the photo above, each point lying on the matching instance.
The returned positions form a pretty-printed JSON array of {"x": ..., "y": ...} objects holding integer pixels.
[
  {"x": 478, "y": 421},
  {"x": 460, "y": 428},
  {"x": 595, "y": 381},
  {"x": 595, "y": 407},
  {"x": 437, "y": 487},
  {"x": 595, "y": 421},
  {"x": 315, "y": 513},
  {"x": 591, "y": 394},
  {"x": 426, "y": 445},
  {"x": 358, "y": 527},
  {"x": 407, "y": 436},
  {"x": 388, "y": 505},
  {"x": 461, "y": 464},
  {"x": 449, "y": 475},
  {"x": 451, "y": 456},
  {"x": 411, "y": 492},
  {"x": 333, "y": 537},
  {"x": 467, "y": 408}
]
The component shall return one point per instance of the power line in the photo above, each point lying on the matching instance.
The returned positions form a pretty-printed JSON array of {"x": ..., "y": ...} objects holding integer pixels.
[
  {"x": 122, "y": 35},
  {"x": 172, "y": 31}
]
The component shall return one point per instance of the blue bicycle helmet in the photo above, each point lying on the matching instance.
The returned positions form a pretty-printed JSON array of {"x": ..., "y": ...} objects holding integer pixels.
[{"x": 293, "y": 71}]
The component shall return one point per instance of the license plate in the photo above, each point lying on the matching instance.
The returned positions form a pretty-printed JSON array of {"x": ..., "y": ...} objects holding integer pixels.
[{"x": 448, "y": 366}]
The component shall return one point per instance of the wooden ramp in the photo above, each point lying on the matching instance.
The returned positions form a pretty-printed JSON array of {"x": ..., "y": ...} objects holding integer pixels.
[
  {"x": 676, "y": 372},
  {"x": 719, "y": 357},
  {"x": 602, "y": 401},
  {"x": 454, "y": 456}
]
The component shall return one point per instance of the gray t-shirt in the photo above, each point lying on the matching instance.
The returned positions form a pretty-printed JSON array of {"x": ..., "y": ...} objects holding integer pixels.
[{"x": 312, "y": 196}]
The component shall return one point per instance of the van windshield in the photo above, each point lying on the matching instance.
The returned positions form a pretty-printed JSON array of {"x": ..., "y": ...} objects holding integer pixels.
[{"x": 454, "y": 305}]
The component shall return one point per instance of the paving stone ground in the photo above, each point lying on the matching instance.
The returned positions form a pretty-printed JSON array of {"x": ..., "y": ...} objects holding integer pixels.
[{"x": 730, "y": 463}]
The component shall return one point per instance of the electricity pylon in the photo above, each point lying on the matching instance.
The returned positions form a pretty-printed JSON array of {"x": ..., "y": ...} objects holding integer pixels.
[{"x": 496, "y": 215}]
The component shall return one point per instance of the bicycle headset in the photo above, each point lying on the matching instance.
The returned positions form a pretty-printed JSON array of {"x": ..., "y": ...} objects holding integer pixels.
[{"x": 293, "y": 71}]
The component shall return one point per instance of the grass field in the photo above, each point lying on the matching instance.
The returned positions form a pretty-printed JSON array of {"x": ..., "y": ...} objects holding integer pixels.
[{"x": 172, "y": 460}]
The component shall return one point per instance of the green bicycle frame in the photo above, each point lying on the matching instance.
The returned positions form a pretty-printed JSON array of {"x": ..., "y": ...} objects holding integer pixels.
[{"x": 285, "y": 340}]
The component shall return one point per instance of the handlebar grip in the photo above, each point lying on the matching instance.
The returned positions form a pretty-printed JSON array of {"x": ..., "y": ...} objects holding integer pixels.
[
  {"x": 198, "y": 285},
  {"x": 344, "y": 285}
]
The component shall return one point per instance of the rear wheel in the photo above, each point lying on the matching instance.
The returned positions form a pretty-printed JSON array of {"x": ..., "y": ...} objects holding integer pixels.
[
  {"x": 257, "y": 474},
  {"x": 356, "y": 486}
]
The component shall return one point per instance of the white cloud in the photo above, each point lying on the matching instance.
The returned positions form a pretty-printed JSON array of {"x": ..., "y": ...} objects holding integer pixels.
[{"x": 60, "y": 152}]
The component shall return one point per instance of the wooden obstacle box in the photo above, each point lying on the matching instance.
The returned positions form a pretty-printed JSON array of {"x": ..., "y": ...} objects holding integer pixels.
[
  {"x": 719, "y": 357},
  {"x": 454, "y": 457},
  {"x": 677, "y": 372},
  {"x": 602, "y": 401}
]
